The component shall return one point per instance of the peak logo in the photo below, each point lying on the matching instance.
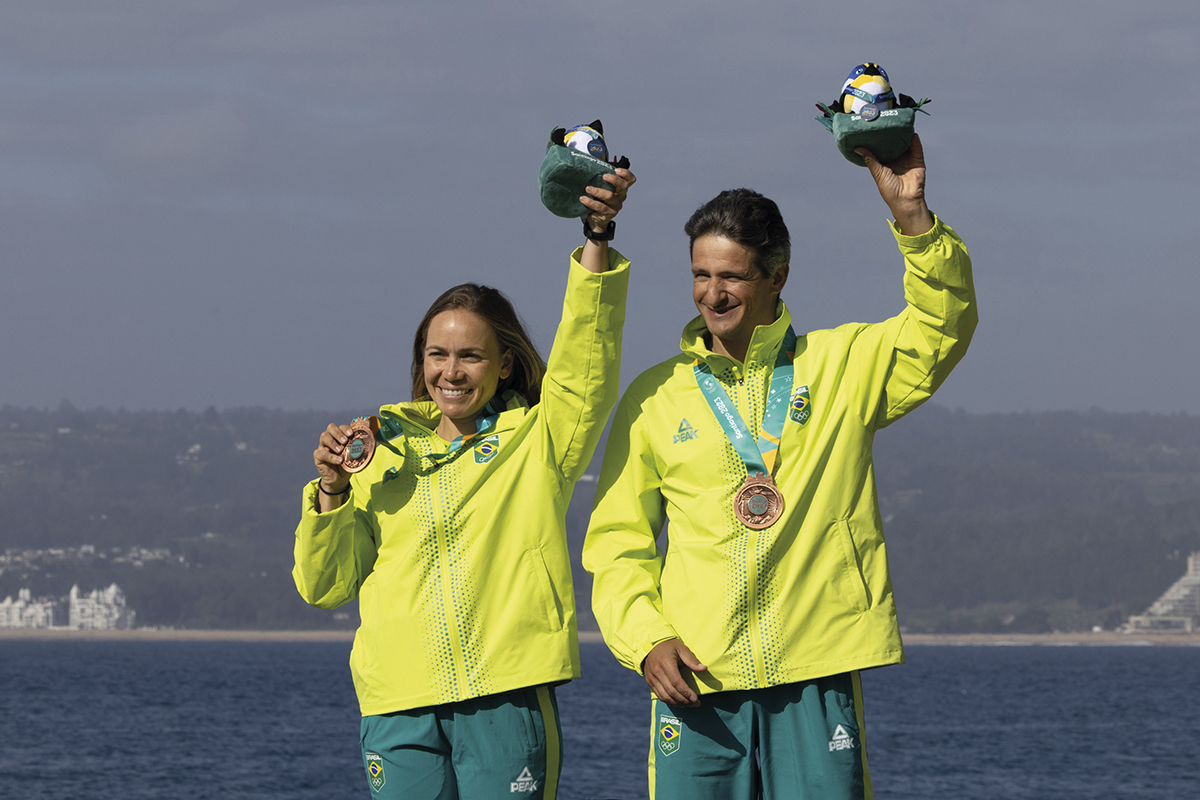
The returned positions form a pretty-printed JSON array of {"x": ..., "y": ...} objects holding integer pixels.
[
  {"x": 524, "y": 782},
  {"x": 686, "y": 432},
  {"x": 841, "y": 740}
]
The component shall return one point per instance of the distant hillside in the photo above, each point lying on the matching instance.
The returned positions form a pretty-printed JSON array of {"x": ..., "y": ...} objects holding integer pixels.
[
  {"x": 1019, "y": 522},
  {"x": 1061, "y": 520}
]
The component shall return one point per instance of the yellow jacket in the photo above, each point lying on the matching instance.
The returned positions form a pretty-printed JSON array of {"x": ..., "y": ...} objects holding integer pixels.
[
  {"x": 461, "y": 571},
  {"x": 810, "y": 595}
]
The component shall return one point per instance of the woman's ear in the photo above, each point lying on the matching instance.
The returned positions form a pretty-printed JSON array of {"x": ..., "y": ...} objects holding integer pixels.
[{"x": 506, "y": 364}]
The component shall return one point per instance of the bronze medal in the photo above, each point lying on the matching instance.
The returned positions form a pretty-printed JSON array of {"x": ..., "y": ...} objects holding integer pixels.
[
  {"x": 758, "y": 503},
  {"x": 358, "y": 451}
]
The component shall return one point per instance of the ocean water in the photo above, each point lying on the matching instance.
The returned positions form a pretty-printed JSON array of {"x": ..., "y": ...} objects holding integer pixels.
[{"x": 128, "y": 720}]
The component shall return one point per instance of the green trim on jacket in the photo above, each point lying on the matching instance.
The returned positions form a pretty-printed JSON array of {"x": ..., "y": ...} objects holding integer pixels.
[
  {"x": 809, "y": 596},
  {"x": 461, "y": 571}
]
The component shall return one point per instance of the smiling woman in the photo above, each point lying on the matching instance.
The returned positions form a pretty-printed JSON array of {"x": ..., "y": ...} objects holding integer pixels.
[
  {"x": 452, "y": 535},
  {"x": 469, "y": 346}
]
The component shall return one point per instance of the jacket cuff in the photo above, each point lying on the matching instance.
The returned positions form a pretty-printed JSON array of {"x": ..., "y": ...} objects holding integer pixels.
[
  {"x": 616, "y": 262},
  {"x": 649, "y": 645},
  {"x": 919, "y": 242},
  {"x": 309, "y": 503}
]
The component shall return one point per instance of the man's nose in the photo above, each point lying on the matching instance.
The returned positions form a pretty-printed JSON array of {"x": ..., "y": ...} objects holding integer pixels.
[{"x": 714, "y": 293}]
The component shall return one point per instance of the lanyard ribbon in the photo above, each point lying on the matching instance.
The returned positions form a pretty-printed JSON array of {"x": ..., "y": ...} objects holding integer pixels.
[
  {"x": 759, "y": 456},
  {"x": 483, "y": 422}
]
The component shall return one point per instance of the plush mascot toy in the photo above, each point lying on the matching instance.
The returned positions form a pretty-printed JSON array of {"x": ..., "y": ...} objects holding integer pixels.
[
  {"x": 869, "y": 114},
  {"x": 575, "y": 158}
]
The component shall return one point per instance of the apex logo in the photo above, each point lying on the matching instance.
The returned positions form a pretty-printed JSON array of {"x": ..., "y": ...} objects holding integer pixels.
[
  {"x": 686, "y": 432},
  {"x": 524, "y": 782},
  {"x": 841, "y": 740}
]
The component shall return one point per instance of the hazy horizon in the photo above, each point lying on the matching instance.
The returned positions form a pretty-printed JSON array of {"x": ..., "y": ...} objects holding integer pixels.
[{"x": 250, "y": 205}]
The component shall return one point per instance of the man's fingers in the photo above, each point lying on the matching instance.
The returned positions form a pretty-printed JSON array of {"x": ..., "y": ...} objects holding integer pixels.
[
  {"x": 873, "y": 165},
  {"x": 918, "y": 152},
  {"x": 689, "y": 659},
  {"x": 671, "y": 688},
  {"x": 664, "y": 676}
]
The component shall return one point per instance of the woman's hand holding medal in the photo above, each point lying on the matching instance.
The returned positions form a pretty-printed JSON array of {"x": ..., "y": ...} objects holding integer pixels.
[{"x": 334, "y": 480}]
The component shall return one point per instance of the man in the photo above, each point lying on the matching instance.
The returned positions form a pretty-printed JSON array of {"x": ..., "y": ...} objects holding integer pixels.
[{"x": 755, "y": 445}]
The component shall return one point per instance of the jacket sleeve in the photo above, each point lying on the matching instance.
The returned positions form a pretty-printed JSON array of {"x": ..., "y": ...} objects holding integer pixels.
[
  {"x": 583, "y": 372},
  {"x": 335, "y": 551},
  {"x": 896, "y": 365},
  {"x": 621, "y": 549}
]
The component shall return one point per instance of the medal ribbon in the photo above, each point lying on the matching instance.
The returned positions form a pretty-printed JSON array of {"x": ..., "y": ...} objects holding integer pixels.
[
  {"x": 759, "y": 456},
  {"x": 482, "y": 423}
]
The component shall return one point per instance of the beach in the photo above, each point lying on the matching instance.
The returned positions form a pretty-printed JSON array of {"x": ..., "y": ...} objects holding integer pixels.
[{"x": 1102, "y": 638}]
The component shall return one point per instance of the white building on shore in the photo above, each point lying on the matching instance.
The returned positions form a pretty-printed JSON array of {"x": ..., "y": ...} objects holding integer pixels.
[
  {"x": 26, "y": 612},
  {"x": 99, "y": 610},
  {"x": 1178, "y": 610}
]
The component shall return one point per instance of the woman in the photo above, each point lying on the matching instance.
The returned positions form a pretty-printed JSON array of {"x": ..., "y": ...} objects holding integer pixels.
[{"x": 453, "y": 537}]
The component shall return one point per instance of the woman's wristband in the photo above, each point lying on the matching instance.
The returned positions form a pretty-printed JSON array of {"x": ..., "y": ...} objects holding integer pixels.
[{"x": 321, "y": 486}]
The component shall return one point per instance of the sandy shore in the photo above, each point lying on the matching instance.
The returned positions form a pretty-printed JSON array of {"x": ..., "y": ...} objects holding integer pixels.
[
  {"x": 1109, "y": 638},
  {"x": 1106, "y": 638},
  {"x": 147, "y": 635}
]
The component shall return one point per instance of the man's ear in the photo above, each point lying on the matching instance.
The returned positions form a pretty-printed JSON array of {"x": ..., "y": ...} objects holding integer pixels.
[{"x": 780, "y": 278}]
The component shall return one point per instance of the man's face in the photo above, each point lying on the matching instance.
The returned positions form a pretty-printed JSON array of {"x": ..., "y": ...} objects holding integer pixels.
[{"x": 731, "y": 294}]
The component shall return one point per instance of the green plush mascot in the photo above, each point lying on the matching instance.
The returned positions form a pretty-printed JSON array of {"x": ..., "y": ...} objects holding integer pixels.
[
  {"x": 575, "y": 158},
  {"x": 869, "y": 114}
]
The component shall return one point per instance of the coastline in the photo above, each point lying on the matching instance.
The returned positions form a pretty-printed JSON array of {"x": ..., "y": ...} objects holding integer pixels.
[{"x": 1085, "y": 639}]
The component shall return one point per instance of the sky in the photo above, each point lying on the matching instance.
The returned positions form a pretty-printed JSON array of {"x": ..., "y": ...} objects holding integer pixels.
[{"x": 252, "y": 204}]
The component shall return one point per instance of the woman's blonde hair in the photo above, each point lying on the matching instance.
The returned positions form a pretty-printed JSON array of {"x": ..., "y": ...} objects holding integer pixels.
[{"x": 494, "y": 308}]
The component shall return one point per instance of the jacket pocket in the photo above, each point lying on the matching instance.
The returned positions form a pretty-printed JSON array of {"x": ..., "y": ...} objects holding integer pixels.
[
  {"x": 548, "y": 597},
  {"x": 855, "y": 586}
]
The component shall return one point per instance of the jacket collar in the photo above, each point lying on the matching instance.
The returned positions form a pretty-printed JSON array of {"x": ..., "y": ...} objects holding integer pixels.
[
  {"x": 764, "y": 343},
  {"x": 424, "y": 414}
]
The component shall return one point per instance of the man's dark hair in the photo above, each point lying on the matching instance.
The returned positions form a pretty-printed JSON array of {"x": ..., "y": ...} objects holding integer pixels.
[{"x": 749, "y": 219}]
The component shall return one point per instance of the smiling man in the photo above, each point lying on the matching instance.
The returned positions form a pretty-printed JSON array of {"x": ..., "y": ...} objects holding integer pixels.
[{"x": 755, "y": 445}]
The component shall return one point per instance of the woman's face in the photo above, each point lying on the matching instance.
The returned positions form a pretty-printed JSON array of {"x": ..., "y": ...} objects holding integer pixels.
[{"x": 463, "y": 366}]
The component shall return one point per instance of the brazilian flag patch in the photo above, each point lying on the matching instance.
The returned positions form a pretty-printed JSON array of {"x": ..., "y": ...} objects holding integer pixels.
[
  {"x": 486, "y": 449},
  {"x": 670, "y": 731},
  {"x": 374, "y": 770},
  {"x": 801, "y": 408}
]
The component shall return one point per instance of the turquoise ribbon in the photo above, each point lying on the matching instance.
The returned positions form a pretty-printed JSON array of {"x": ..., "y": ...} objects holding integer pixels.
[
  {"x": 391, "y": 428},
  {"x": 758, "y": 455}
]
